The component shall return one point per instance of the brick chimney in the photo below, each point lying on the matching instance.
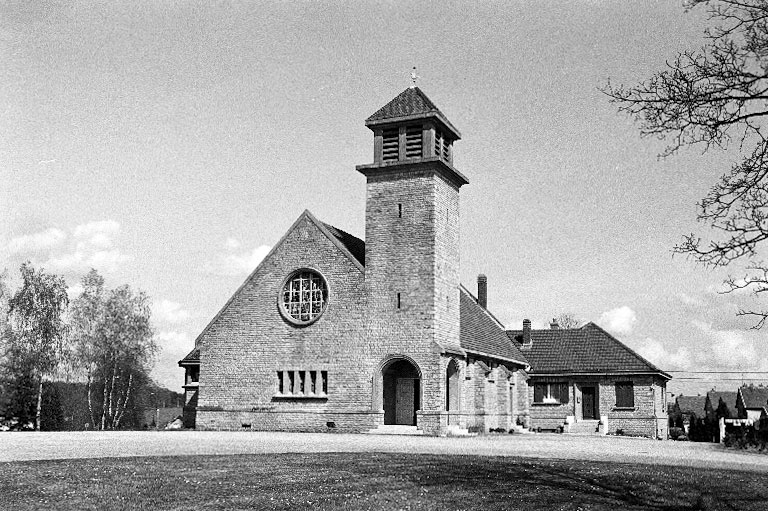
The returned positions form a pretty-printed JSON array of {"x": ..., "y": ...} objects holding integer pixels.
[
  {"x": 527, "y": 332},
  {"x": 554, "y": 325},
  {"x": 482, "y": 291}
]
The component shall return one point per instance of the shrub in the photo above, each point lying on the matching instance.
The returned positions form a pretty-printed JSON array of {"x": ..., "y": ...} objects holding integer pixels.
[{"x": 746, "y": 437}]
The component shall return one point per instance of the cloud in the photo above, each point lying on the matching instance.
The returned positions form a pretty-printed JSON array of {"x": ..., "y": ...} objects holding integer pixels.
[
  {"x": 173, "y": 341},
  {"x": 620, "y": 320},
  {"x": 729, "y": 348},
  {"x": 691, "y": 300},
  {"x": 171, "y": 312},
  {"x": 86, "y": 246},
  {"x": 233, "y": 262},
  {"x": 96, "y": 229},
  {"x": 31, "y": 244},
  {"x": 658, "y": 354}
]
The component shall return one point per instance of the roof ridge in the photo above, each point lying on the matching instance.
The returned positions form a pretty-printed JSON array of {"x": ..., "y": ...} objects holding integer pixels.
[
  {"x": 411, "y": 104},
  {"x": 484, "y": 309},
  {"x": 625, "y": 347},
  {"x": 320, "y": 225}
]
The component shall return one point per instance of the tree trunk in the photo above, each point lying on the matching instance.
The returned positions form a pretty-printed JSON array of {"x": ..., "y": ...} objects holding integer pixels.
[
  {"x": 112, "y": 394},
  {"x": 90, "y": 400},
  {"x": 104, "y": 403},
  {"x": 125, "y": 402},
  {"x": 39, "y": 404}
]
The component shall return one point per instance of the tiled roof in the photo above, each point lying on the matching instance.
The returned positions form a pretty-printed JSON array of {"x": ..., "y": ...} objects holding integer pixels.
[
  {"x": 355, "y": 245},
  {"x": 754, "y": 397},
  {"x": 412, "y": 102},
  {"x": 192, "y": 357},
  {"x": 692, "y": 404},
  {"x": 480, "y": 332},
  {"x": 588, "y": 349}
]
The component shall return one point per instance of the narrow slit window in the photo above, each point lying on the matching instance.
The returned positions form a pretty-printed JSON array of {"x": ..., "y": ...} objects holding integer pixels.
[
  {"x": 302, "y": 381},
  {"x": 313, "y": 382},
  {"x": 324, "y": 378},
  {"x": 398, "y": 300},
  {"x": 280, "y": 382},
  {"x": 290, "y": 382},
  {"x": 399, "y": 211}
]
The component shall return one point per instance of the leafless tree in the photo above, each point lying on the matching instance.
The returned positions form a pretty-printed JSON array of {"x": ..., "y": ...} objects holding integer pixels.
[
  {"x": 569, "y": 321},
  {"x": 717, "y": 98}
]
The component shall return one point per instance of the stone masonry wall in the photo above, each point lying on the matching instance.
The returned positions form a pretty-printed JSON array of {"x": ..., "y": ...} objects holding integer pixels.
[
  {"x": 250, "y": 341},
  {"x": 416, "y": 255},
  {"x": 648, "y": 417}
]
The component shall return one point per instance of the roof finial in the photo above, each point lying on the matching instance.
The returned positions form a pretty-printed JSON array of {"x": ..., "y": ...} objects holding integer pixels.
[{"x": 414, "y": 77}]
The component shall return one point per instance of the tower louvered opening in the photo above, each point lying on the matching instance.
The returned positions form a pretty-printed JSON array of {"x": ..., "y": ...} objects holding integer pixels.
[
  {"x": 413, "y": 141},
  {"x": 442, "y": 146},
  {"x": 390, "y": 145}
]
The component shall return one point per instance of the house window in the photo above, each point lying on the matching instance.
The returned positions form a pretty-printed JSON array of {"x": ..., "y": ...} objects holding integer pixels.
[
  {"x": 302, "y": 384},
  {"x": 304, "y": 297},
  {"x": 625, "y": 394},
  {"x": 193, "y": 375},
  {"x": 550, "y": 393}
]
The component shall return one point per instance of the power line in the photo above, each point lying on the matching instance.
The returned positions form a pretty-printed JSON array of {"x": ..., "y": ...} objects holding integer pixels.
[
  {"x": 720, "y": 372},
  {"x": 719, "y": 379}
]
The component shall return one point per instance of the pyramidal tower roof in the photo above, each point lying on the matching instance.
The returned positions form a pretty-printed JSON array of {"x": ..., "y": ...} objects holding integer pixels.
[{"x": 410, "y": 104}]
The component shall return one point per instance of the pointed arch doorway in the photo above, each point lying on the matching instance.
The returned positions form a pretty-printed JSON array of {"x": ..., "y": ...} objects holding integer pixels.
[{"x": 401, "y": 392}]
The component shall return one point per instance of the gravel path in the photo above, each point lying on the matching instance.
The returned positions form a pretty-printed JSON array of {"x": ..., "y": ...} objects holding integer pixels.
[{"x": 67, "y": 445}]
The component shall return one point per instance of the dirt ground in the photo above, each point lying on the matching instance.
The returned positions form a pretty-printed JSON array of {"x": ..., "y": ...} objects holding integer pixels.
[{"x": 71, "y": 445}]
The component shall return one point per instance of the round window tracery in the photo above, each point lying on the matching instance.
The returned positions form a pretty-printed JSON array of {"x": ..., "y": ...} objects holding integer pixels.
[{"x": 304, "y": 297}]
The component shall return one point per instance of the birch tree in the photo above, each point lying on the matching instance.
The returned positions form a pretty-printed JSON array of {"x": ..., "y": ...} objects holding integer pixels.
[
  {"x": 115, "y": 346},
  {"x": 36, "y": 331}
]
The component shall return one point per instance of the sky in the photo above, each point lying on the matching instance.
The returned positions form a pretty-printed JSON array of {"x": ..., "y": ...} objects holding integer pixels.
[{"x": 170, "y": 145}]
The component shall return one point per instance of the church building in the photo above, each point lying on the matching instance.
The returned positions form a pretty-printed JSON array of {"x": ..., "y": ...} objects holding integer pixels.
[{"x": 333, "y": 333}]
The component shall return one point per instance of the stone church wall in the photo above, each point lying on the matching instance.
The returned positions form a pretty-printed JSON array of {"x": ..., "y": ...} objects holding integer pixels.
[{"x": 250, "y": 341}]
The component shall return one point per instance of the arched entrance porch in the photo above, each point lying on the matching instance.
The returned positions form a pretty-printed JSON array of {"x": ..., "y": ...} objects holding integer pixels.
[{"x": 401, "y": 392}]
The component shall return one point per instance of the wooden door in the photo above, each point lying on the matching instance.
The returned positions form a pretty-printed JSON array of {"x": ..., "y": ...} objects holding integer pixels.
[
  {"x": 588, "y": 403},
  {"x": 404, "y": 402}
]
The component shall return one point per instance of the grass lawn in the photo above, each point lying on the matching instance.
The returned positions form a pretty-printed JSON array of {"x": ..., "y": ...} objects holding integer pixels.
[{"x": 371, "y": 481}]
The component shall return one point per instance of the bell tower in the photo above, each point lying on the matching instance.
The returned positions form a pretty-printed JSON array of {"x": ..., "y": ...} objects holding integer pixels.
[{"x": 412, "y": 239}]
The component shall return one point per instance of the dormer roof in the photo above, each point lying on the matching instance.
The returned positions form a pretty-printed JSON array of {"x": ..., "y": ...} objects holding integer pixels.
[{"x": 409, "y": 105}]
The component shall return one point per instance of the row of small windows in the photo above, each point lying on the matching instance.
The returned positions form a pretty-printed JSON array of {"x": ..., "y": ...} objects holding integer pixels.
[
  {"x": 557, "y": 393},
  {"x": 302, "y": 383},
  {"x": 413, "y": 144}
]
